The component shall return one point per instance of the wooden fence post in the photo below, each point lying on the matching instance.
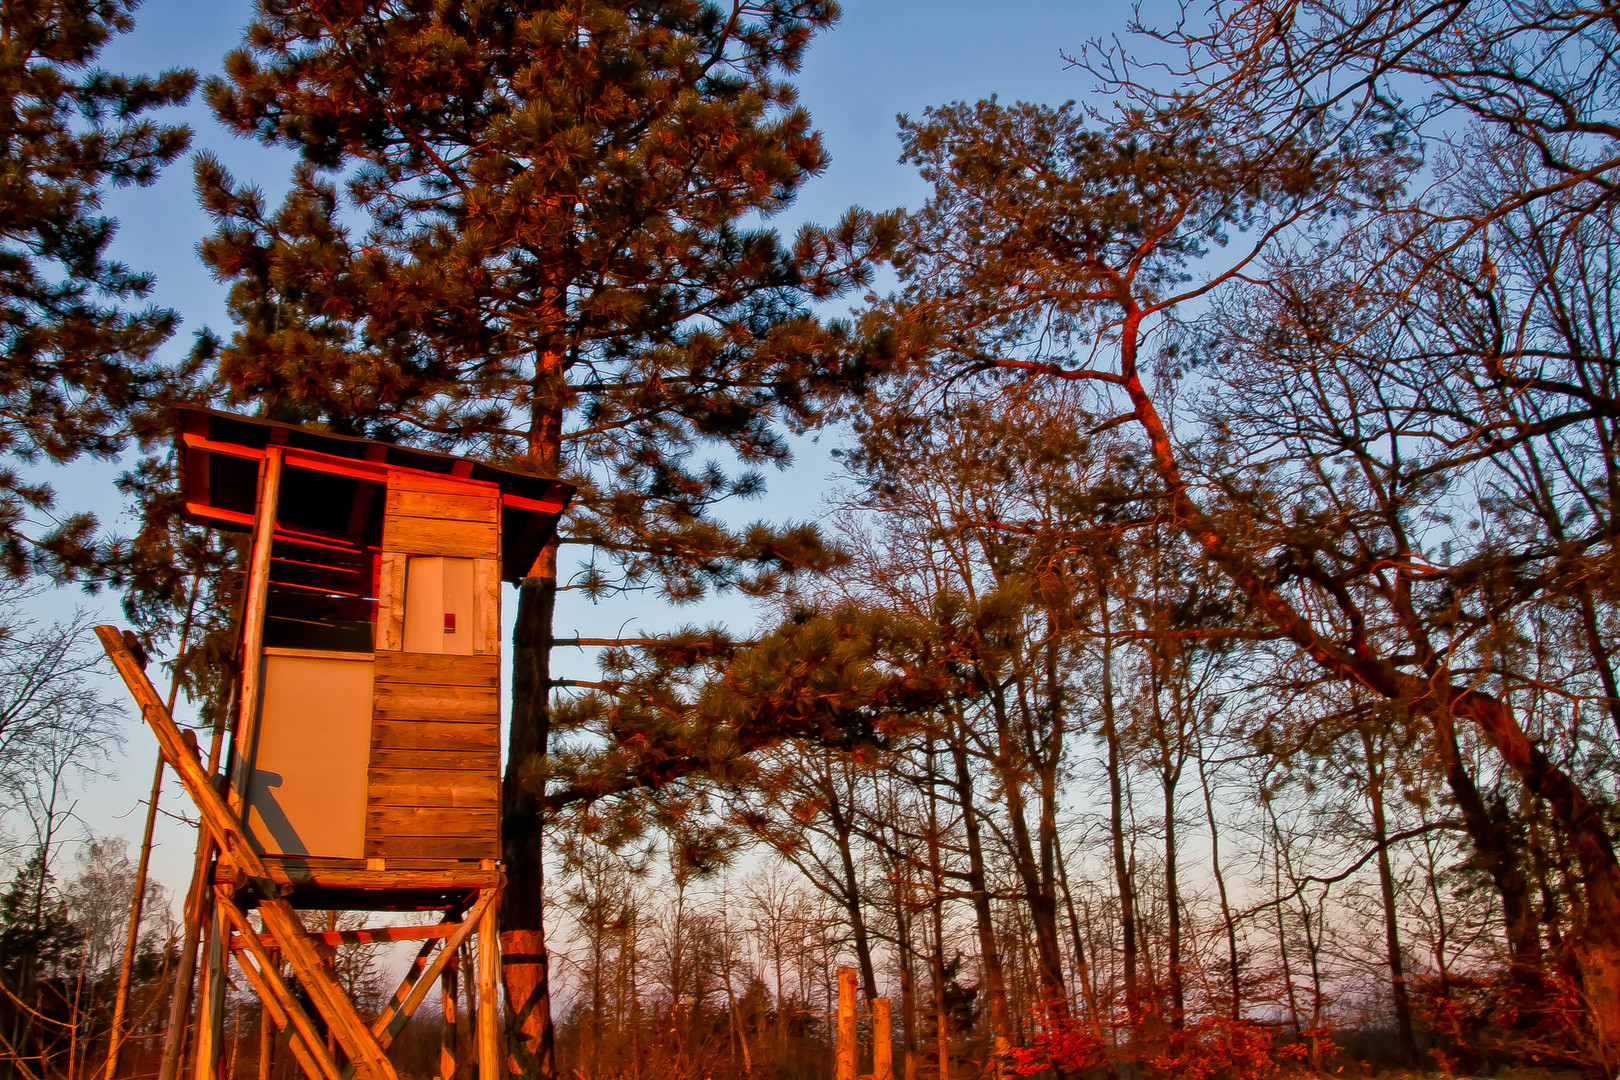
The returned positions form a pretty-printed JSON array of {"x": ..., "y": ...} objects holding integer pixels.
[
  {"x": 882, "y": 1041},
  {"x": 844, "y": 1062}
]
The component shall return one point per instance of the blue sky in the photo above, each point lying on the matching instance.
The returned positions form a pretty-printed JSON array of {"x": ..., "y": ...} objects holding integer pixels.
[{"x": 885, "y": 57}]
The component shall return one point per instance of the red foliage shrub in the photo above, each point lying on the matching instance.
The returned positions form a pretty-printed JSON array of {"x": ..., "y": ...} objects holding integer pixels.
[
  {"x": 1070, "y": 1047},
  {"x": 1524, "y": 1017},
  {"x": 1218, "y": 1046},
  {"x": 1210, "y": 1048}
]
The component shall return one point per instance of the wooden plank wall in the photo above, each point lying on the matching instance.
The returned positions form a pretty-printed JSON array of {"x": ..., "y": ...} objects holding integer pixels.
[
  {"x": 429, "y": 515},
  {"x": 434, "y": 787}
]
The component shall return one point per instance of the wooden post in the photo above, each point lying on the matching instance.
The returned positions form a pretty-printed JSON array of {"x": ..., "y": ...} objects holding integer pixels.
[
  {"x": 447, "y": 1037},
  {"x": 267, "y": 1032},
  {"x": 882, "y": 1041},
  {"x": 264, "y": 531},
  {"x": 466, "y": 1050},
  {"x": 844, "y": 1059},
  {"x": 489, "y": 962},
  {"x": 211, "y": 1017}
]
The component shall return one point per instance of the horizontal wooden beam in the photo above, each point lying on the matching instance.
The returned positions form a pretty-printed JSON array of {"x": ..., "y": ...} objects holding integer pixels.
[
  {"x": 321, "y": 877},
  {"x": 370, "y": 936}
]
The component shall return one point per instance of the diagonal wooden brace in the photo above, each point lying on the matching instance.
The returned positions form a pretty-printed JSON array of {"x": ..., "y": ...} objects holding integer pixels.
[
  {"x": 399, "y": 1011},
  {"x": 280, "y": 920},
  {"x": 306, "y": 1060},
  {"x": 272, "y": 990}
]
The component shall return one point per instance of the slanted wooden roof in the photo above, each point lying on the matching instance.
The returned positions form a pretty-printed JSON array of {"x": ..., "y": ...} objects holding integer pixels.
[{"x": 220, "y": 452}]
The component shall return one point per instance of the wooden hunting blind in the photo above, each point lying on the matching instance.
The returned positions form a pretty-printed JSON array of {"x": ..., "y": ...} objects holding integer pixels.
[
  {"x": 363, "y": 765},
  {"x": 370, "y": 712}
]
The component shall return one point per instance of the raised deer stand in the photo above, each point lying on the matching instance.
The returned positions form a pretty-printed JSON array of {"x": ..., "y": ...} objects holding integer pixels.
[{"x": 364, "y": 763}]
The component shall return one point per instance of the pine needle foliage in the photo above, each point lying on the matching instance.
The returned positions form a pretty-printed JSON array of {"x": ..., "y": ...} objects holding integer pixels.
[
  {"x": 78, "y": 358},
  {"x": 534, "y": 232}
]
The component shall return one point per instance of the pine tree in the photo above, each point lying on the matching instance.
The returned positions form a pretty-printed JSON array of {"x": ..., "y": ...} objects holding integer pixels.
[
  {"x": 75, "y": 359},
  {"x": 530, "y": 232}
]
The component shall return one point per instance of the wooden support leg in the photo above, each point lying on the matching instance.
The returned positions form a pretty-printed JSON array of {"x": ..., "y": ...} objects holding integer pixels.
[
  {"x": 267, "y": 1033},
  {"x": 447, "y": 1037},
  {"x": 489, "y": 962},
  {"x": 844, "y": 1062},
  {"x": 211, "y": 1014},
  {"x": 882, "y": 1041},
  {"x": 465, "y": 1050},
  {"x": 267, "y": 982}
]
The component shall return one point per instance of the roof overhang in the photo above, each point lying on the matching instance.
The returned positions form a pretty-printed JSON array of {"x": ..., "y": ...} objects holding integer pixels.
[{"x": 219, "y": 454}]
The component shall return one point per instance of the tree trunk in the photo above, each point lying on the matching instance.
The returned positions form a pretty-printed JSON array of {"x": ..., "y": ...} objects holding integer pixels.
[
  {"x": 995, "y": 986},
  {"x": 1172, "y": 899},
  {"x": 1038, "y": 894},
  {"x": 1082, "y": 968},
  {"x": 937, "y": 873},
  {"x": 1494, "y": 852},
  {"x": 1116, "y": 819},
  {"x": 1234, "y": 985},
  {"x": 841, "y": 815},
  {"x": 524, "y": 961}
]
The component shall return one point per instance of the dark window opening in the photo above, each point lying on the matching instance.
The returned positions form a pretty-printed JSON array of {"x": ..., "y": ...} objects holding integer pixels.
[{"x": 324, "y": 563}]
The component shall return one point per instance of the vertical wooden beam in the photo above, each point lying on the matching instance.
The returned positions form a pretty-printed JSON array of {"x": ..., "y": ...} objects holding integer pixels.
[
  {"x": 267, "y": 1032},
  {"x": 486, "y": 606},
  {"x": 246, "y": 743},
  {"x": 391, "y": 602},
  {"x": 466, "y": 1049},
  {"x": 489, "y": 962},
  {"x": 882, "y": 1040},
  {"x": 211, "y": 1017},
  {"x": 844, "y": 1061},
  {"x": 447, "y": 1036}
]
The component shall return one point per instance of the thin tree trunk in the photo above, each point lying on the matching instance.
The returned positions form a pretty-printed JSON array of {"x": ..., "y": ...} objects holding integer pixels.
[
  {"x": 1386, "y": 883},
  {"x": 1123, "y": 882},
  {"x": 1038, "y": 894},
  {"x": 841, "y": 816},
  {"x": 989, "y": 952},
  {"x": 132, "y": 934},
  {"x": 1234, "y": 984},
  {"x": 937, "y": 872},
  {"x": 1082, "y": 967},
  {"x": 904, "y": 955}
]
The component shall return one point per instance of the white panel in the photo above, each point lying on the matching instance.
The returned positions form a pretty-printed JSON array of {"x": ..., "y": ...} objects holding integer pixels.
[
  {"x": 307, "y": 790},
  {"x": 424, "y": 604},
  {"x": 440, "y": 612}
]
